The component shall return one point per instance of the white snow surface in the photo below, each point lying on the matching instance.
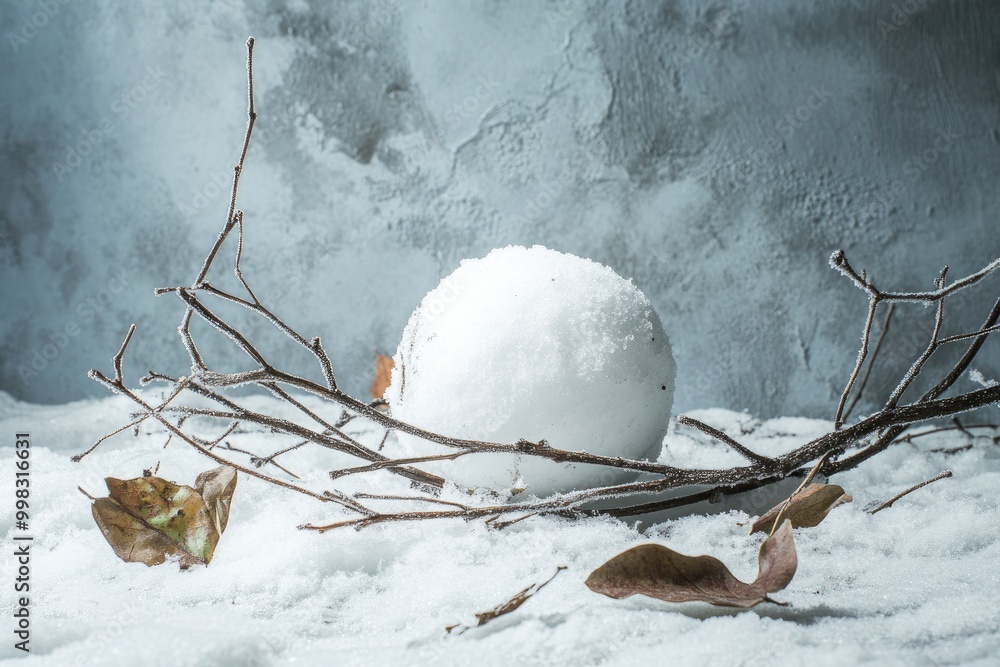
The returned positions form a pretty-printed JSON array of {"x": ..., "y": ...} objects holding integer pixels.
[
  {"x": 534, "y": 343},
  {"x": 916, "y": 584}
]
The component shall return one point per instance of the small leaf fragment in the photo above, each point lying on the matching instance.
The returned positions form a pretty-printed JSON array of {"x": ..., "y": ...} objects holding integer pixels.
[
  {"x": 507, "y": 607},
  {"x": 383, "y": 375},
  {"x": 806, "y": 509},
  {"x": 662, "y": 573},
  {"x": 216, "y": 487}
]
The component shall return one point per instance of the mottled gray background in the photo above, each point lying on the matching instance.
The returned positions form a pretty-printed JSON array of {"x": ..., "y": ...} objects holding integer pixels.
[{"x": 716, "y": 152}]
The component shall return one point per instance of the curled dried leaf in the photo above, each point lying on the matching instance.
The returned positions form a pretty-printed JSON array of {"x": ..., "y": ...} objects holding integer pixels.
[
  {"x": 805, "y": 509},
  {"x": 216, "y": 487},
  {"x": 148, "y": 519},
  {"x": 664, "y": 574}
]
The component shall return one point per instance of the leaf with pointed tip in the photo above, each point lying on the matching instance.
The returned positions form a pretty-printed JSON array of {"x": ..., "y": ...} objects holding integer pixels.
[
  {"x": 664, "y": 574},
  {"x": 805, "y": 509},
  {"x": 216, "y": 487}
]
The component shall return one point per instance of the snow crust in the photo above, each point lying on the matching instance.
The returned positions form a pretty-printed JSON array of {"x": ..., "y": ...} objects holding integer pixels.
[
  {"x": 536, "y": 344},
  {"x": 916, "y": 584}
]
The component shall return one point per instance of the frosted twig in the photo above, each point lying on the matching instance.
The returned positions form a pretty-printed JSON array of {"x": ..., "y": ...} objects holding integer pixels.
[
  {"x": 715, "y": 433},
  {"x": 420, "y": 499},
  {"x": 910, "y": 437},
  {"x": 871, "y": 362},
  {"x": 393, "y": 463},
  {"x": 862, "y": 354},
  {"x": 889, "y": 436},
  {"x": 118, "y": 386},
  {"x": 931, "y": 348},
  {"x": 797, "y": 491},
  {"x": 888, "y": 503},
  {"x": 839, "y": 261},
  {"x": 254, "y": 458}
]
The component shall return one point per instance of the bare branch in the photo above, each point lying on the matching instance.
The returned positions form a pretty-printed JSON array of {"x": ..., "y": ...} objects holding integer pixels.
[
  {"x": 822, "y": 455},
  {"x": 839, "y": 261},
  {"x": 120, "y": 388}
]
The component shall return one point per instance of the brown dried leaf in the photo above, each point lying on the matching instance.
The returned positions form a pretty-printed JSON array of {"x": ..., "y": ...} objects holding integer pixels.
[
  {"x": 383, "y": 375},
  {"x": 507, "y": 607},
  {"x": 131, "y": 539},
  {"x": 216, "y": 487},
  {"x": 664, "y": 574},
  {"x": 806, "y": 509},
  {"x": 148, "y": 519}
]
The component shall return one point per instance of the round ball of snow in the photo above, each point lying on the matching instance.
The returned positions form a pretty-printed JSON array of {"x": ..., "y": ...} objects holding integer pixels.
[{"x": 536, "y": 344}]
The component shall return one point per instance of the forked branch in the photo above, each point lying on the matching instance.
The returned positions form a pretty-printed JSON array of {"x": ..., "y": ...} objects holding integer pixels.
[{"x": 826, "y": 455}]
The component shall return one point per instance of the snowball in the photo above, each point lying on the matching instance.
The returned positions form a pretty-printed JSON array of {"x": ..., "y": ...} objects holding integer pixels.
[{"x": 536, "y": 344}]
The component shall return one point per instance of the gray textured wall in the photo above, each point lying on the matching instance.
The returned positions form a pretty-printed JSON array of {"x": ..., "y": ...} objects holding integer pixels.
[{"x": 715, "y": 152}]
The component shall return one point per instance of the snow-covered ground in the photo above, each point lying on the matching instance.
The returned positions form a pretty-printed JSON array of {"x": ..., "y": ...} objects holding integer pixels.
[{"x": 916, "y": 584}]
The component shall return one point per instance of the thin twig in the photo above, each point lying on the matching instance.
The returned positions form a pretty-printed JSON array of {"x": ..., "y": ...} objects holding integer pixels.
[
  {"x": 888, "y": 503},
  {"x": 839, "y": 261},
  {"x": 254, "y": 458},
  {"x": 931, "y": 348},
  {"x": 862, "y": 355},
  {"x": 804, "y": 484},
  {"x": 715, "y": 433},
  {"x": 871, "y": 362},
  {"x": 395, "y": 463},
  {"x": 419, "y": 499},
  {"x": 910, "y": 437}
]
